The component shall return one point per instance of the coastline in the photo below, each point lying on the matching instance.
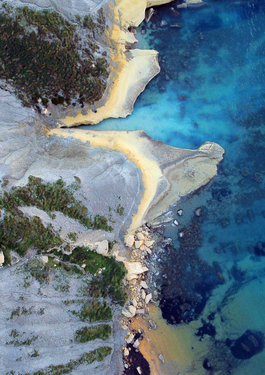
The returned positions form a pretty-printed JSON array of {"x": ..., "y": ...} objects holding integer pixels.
[
  {"x": 130, "y": 69},
  {"x": 164, "y": 182}
]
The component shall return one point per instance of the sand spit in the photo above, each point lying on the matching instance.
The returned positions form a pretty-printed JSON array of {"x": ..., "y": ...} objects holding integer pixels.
[
  {"x": 130, "y": 69},
  {"x": 167, "y": 172}
]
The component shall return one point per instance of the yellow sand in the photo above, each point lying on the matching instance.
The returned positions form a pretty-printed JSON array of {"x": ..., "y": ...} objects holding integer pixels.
[
  {"x": 174, "y": 343},
  {"x": 133, "y": 146},
  {"x": 130, "y": 71}
]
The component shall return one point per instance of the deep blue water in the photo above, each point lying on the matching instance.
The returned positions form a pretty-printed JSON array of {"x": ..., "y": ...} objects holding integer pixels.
[{"x": 212, "y": 88}]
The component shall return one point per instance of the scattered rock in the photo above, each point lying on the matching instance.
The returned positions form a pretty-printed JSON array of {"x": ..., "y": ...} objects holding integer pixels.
[
  {"x": 130, "y": 338},
  {"x": 148, "y": 298},
  {"x": 127, "y": 313},
  {"x": 136, "y": 343},
  {"x": 102, "y": 247},
  {"x": 163, "y": 23},
  {"x": 140, "y": 236},
  {"x": 198, "y": 212},
  {"x": 132, "y": 310},
  {"x": 129, "y": 241},
  {"x": 44, "y": 258},
  {"x": 245, "y": 173},
  {"x": 134, "y": 269},
  {"x": 148, "y": 14},
  {"x": 137, "y": 244},
  {"x": 2, "y": 258},
  {"x": 143, "y": 284},
  {"x": 176, "y": 25},
  {"x": 149, "y": 243}
]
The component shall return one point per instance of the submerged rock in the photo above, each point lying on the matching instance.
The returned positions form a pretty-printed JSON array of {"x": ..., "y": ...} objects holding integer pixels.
[{"x": 247, "y": 345}]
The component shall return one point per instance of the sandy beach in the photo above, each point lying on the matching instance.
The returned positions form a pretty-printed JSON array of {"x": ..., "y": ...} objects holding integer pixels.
[
  {"x": 165, "y": 181},
  {"x": 136, "y": 149},
  {"x": 130, "y": 69}
]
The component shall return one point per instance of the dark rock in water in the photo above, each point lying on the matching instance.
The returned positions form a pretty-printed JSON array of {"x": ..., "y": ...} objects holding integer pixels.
[
  {"x": 207, "y": 365},
  {"x": 206, "y": 329},
  {"x": 213, "y": 22},
  {"x": 220, "y": 193},
  {"x": 181, "y": 311},
  {"x": 259, "y": 249},
  {"x": 211, "y": 316},
  {"x": 198, "y": 212},
  {"x": 134, "y": 360},
  {"x": 247, "y": 345}
]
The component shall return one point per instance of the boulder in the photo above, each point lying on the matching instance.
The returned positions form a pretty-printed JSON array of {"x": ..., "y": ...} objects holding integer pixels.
[
  {"x": 138, "y": 244},
  {"x": 136, "y": 343},
  {"x": 148, "y": 298},
  {"x": 140, "y": 236},
  {"x": 102, "y": 247},
  {"x": 129, "y": 240},
  {"x": 143, "y": 284},
  {"x": 127, "y": 313},
  {"x": 149, "y": 243},
  {"x": 44, "y": 259},
  {"x": 2, "y": 258},
  {"x": 130, "y": 338},
  {"x": 132, "y": 310},
  {"x": 134, "y": 269}
]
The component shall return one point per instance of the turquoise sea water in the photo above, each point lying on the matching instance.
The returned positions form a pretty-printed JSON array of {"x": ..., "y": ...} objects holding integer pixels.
[{"x": 211, "y": 88}]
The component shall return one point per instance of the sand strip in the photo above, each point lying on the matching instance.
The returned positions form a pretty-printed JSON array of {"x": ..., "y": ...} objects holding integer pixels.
[
  {"x": 135, "y": 147},
  {"x": 130, "y": 69},
  {"x": 167, "y": 172}
]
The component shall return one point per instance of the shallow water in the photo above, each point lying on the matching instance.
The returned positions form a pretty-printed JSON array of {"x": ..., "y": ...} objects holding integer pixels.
[{"x": 211, "y": 88}]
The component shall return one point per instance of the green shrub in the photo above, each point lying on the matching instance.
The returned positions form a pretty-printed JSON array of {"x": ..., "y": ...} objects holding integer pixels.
[
  {"x": 102, "y": 332},
  {"x": 94, "y": 311},
  {"x": 47, "y": 58}
]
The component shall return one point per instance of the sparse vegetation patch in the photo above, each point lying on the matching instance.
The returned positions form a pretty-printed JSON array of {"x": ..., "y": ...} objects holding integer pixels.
[
  {"x": 43, "y": 56},
  {"x": 102, "y": 331}
]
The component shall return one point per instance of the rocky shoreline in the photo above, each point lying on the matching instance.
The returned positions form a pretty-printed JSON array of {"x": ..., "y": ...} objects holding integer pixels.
[{"x": 126, "y": 177}]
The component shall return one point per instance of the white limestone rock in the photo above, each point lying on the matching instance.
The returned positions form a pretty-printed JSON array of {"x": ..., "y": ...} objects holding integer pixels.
[
  {"x": 102, "y": 247},
  {"x": 149, "y": 243},
  {"x": 140, "y": 236},
  {"x": 134, "y": 269},
  {"x": 132, "y": 310},
  {"x": 136, "y": 343},
  {"x": 138, "y": 244},
  {"x": 129, "y": 240},
  {"x": 2, "y": 258},
  {"x": 148, "y": 298},
  {"x": 143, "y": 284},
  {"x": 44, "y": 259},
  {"x": 127, "y": 313},
  {"x": 130, "y": 338}
]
